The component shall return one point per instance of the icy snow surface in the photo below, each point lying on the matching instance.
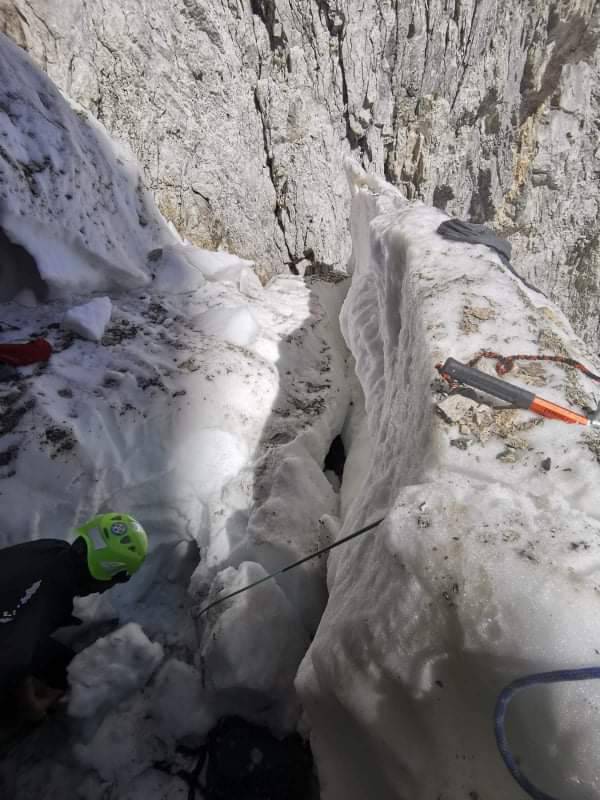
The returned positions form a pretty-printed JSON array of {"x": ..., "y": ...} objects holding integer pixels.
[{"x": 487, "y": 566}]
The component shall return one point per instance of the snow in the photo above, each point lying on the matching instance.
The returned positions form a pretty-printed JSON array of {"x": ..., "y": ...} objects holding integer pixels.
[
  {"x": 486, "y": 566},
  {"x": 206, "y": 408},
  {"x": 256, "y": 642},
  {"x": 234, "y": 325},
  {"x": 90, "y": 319},
  {"x": 111, "y": 669},
  {"x": 179, "y": 702},
  {"x": 69, "y": 195}
]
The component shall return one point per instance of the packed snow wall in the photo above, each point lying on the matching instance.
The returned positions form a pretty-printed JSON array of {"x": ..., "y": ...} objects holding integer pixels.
[
  {"x": 486, "y": 567},
  {"x": 485, "y": 109}
]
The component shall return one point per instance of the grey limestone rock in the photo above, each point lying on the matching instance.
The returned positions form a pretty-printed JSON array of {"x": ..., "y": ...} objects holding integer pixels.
[{"x": 240, "y": 112}]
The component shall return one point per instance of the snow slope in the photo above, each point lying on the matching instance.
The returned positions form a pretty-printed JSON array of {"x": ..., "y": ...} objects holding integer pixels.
[
  {"x": 69, "y": 195},
  {"x": 487, "y": 565}
]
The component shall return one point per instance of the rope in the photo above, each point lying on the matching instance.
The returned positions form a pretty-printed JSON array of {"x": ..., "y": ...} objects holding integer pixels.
[
  {"x": 290, "y": 566},
  {"x": 506, "y": 363},
  {"x": 504, "y": 698}
]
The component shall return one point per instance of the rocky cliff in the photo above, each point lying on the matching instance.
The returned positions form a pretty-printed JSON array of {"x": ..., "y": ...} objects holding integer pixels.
[{"x": 240, "y": 112}]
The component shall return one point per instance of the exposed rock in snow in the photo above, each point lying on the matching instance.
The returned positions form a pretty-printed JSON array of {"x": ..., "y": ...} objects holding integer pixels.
[
  {"x": 90, "y": 319},
  {"x": 485, "y": 568},
  {"x": 241, "y": 113},
  {"x": 111, "y": 669}
]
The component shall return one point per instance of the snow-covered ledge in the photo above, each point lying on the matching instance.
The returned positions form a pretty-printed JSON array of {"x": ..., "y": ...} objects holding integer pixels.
[{"x": 487, "y": 565}]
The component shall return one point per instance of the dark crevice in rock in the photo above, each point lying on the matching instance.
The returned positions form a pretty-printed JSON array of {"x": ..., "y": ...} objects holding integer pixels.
[
  {"x": 442, "y": 195},
  {"x": 335, "y": 459},
  {"x": 573, "y": 40},
  {"x": 358, "y": 141},
  {"x": 389, "y": 146},
  {"x": 466, "y": 53},
  {"x": 271, "y": 167},
  {"x": 482, "y": 200},
  {"x": 19, "y": 271},
  {"x": 266, "y": 11},
  {"x": 335, "y": 22}
]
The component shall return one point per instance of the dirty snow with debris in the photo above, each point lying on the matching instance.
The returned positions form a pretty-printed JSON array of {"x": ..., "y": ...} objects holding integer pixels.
[{"x": 487, "y": 566}]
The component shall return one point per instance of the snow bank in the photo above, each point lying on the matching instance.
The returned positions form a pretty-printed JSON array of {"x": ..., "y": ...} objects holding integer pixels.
[
  {"x": 111, "y": 669},
  {"x": 486, "y": 566},
  {"x": 257, "y": 642},
  {"x": 179, "y": 702},
  {"x": 69, "y": 196}
]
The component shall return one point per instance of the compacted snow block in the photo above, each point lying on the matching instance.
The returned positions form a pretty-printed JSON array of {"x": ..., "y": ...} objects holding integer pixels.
[
  {"x": 111, "y": 669},
  {"x": 177, "y": 704},
  {"x": 90, "y": 319},
  {"x": 216, "y": 265},
  {"x": 257, "y": 640}
]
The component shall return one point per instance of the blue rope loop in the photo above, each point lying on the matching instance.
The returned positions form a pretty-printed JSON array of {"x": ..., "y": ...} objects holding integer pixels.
[{"x": 504, "y": 698}]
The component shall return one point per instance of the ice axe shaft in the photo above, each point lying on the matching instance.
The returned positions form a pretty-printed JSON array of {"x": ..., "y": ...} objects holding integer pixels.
[{"x": 516, "y": 395}]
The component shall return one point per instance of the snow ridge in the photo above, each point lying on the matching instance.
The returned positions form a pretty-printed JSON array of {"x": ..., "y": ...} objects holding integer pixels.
[{"x": 486, "y": 567}]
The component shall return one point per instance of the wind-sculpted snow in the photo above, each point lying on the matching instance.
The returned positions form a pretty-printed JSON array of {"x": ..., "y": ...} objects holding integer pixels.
[
  {"x": 68, "y": 195},
  {"x": 486, "y": 567}
]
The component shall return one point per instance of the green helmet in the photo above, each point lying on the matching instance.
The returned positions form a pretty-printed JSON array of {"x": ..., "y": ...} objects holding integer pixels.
[{"x": 115, "y": 543}]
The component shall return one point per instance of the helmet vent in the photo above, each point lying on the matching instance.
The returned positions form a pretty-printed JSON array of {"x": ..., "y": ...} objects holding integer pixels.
[
  {"x": 126, "y": 540},
  {"x": 96, "y": 539}
]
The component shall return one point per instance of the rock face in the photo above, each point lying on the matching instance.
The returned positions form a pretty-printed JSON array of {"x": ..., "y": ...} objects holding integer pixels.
[{"x": 241, "y": 112}]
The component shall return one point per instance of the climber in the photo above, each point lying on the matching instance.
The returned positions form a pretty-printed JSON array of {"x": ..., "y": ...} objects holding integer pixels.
[{"x": 38, "y": 581}]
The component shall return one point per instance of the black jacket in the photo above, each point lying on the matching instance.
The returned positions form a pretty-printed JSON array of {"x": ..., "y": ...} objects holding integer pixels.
[{"x": 38, "y": 581}]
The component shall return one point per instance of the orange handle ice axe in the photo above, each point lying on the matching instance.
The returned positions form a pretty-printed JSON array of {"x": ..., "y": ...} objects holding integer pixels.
[{"x": 516, "y": 395}]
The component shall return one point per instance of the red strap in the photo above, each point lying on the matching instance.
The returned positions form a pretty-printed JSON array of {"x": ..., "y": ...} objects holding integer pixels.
[
  {"x": 21, "y": 354},
  {"x": 506, "y": 363}
]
